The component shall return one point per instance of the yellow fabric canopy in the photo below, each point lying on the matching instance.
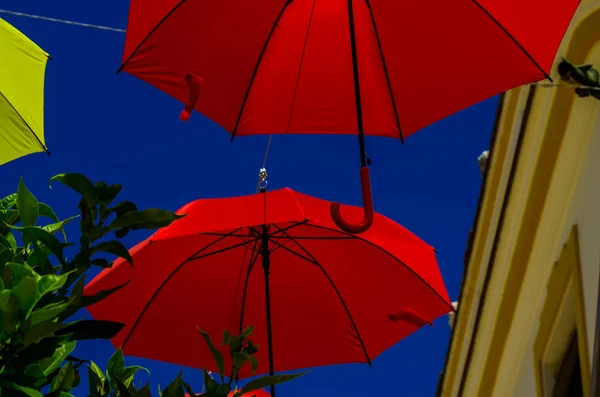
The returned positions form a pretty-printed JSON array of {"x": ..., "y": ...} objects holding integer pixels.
[{"x": 22, "y": 70}]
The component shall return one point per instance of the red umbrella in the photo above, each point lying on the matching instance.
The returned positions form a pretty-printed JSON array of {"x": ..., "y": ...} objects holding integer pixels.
[
  {"x": 367, "y": 67},
  {"x": 317, "y": 295}
]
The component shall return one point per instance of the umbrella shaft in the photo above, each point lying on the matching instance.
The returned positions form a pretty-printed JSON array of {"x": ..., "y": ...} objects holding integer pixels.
[
  {"x": 266, "y": 263},
  {"x": 359, "y": 114}
]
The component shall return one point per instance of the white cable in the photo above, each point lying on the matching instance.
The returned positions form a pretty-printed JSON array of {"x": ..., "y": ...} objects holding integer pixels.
[{"x": 85, "y": 25}]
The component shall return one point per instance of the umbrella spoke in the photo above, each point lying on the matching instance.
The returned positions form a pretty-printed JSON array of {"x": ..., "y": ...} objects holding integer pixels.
[
  {"x": 314, "y": 261},
  {"x": 253, "y": 257},
  {"x": 291, "y": 251},
  {"x": 219, "y": 251},
  {"x": 170, "y": 276}
]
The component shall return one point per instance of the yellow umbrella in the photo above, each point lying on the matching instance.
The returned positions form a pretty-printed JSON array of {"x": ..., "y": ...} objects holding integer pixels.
[{"x": 22, "y": 70}]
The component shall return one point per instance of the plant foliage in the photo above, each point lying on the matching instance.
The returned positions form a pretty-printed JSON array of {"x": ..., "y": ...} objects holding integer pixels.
[
  {"x": 241, "y": 350},
  {"x": 41, "y": 289}
]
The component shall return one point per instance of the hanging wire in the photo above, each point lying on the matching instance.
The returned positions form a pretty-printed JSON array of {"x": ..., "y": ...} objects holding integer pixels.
[
  {"x": 111, "y": 29},
  {"x": 262, "y": 175},
  {"x": 63, "y": 21}
]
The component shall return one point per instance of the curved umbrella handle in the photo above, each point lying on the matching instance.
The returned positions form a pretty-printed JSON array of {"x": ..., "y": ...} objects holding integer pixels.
[
  {"x": 367, "y": 221},
  {"x": 194, "y": 84}
]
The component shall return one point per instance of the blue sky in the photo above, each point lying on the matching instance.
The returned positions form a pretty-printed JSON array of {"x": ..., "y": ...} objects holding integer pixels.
[{"x": 120, "y": 130}]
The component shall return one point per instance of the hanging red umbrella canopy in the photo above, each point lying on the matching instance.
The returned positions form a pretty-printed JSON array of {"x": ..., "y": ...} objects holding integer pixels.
[
  {"x": 367, "y": 67},
  {"x": 316, "y": 295}
]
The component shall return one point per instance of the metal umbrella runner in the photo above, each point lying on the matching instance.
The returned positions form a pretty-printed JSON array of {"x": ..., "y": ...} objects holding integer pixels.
[
  {"x": 316, "y": 294},
  {"x": 367, "y": 67}
]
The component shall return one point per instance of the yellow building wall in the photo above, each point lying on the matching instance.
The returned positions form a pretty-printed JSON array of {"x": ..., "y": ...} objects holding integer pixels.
[{"x": 542, "y": 192}]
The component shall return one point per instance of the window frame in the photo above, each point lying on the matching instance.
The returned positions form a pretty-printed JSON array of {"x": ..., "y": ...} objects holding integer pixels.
[{"x": 564, "y": 293}]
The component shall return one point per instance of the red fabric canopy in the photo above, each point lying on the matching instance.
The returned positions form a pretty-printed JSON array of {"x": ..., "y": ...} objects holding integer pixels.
[
  {"x": 334, "y": 297},
  {"x": 432, "y": 59}
]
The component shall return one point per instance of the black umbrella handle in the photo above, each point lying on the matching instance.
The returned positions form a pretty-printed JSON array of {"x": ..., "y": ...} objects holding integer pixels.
[{"x": 365, "y": 181}]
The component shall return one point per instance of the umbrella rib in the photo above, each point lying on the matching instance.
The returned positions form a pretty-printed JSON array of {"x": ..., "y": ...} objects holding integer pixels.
[
  {"x": 271, "y": 235},
  {"x": 243, "y": 243},
  {"x": 291, "y": 251},
  {"x": 260, "y": 57},
  {"x": 159, "y": 24},
  {"x": 393, "y": 256},
  {"x": 253, "y": 260},
  {"x": 341, "y": 298},
  {"x": 226, "y": 234},
  {"x": 514, "y": 40},
  {"x": 312, "y": 12},
  {"x": 26, "y": 124},
  {"x": 319, "y": 237},
  {"x": 161, "y": 286},
  {"x": 385, "y": 69}
]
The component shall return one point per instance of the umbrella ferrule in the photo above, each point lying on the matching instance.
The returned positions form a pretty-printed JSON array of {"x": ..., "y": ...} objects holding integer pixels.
[{"x": 262, "y": 180}]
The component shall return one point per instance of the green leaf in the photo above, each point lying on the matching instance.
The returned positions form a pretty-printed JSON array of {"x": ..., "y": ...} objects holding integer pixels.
[
  {"x": 77, "y": 291},
  {"x": 97, "y": 371},
  {"x": 6, "y": 242},
  {"x": 210, "y": 383},
  {"x": 239, "y": 359},
  {"x": 18, "y": 271},
  {"x": 101, "y": 262},
  {"x": 223, "y": 390},
  {"x": 6, "y": 255},
  {"x": 129, "y": 373},
  {"x": 96, "y": 380},
  {"x": 8, "y": 201},
  {"x": 38, "y": 259},
  {"x": 143, "y": 392},
  {"x": 65, "y": 378},
  {"x": 10, "y": 310},
  {"x": 253, "y": 363},
  {"x": 25, "y": 292},
  {"x": 99, "y": 232},
  {"x": 123, "y": 389},
  {"x": 147, "y": 219},
  {"x": 77, "y": 182},
  {"x": 251, "y": 348},
  {"x": 59, "y": 226},
  {"x": 116, "y": 364},
  {"x": 50, "y": 364},
  {"x": 123, "y": 207},
  {"x": 175, "y": 388},
  {"x": 27, "y": 205},
  {"x": 48, "y": 313},
  {"x": 4, "y": 384},
  {"x": 89, "y": 300},
  {"x": 50, "y": 282},
  {"x": 106, "y": 194},
  {"x": 40, "y": 331},
  {"x": 188, "y": 389},
  {"x": 35, "y": 234},
  {"x": 121, "y": 233},
  {"x": 268, "y": 381},
  {"x": 9, "y": 217},
  {"x": 113, "y": 247},
  {"x": 247, "y": 332},
  {"x": 218, "y": 357},
  {"x": 92, "y": 329},
  {"x": 34, "y": 371},
  {"x": 47, "y": 211}
]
